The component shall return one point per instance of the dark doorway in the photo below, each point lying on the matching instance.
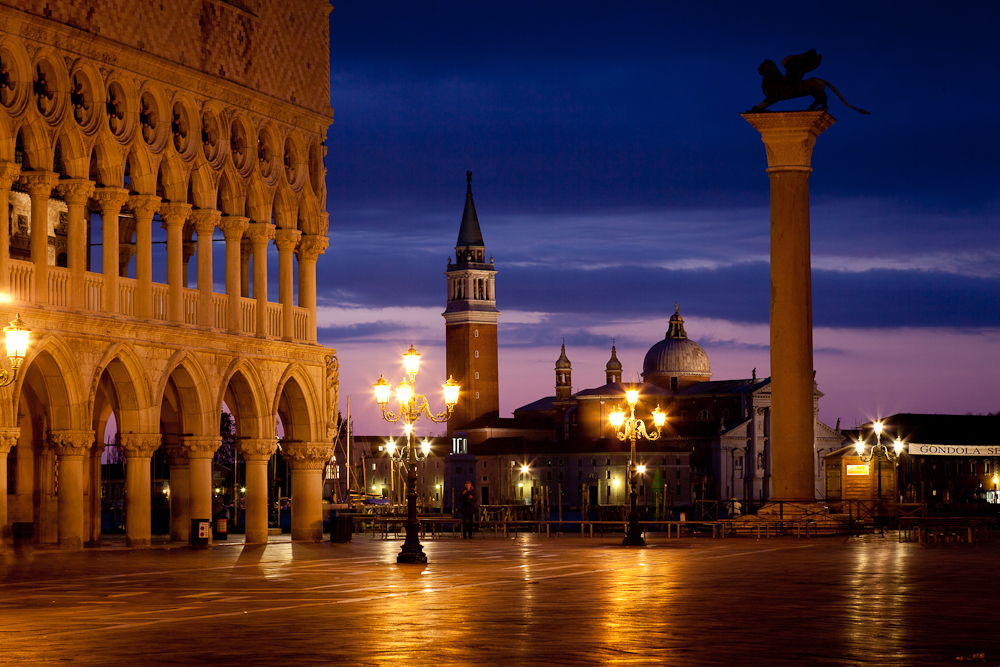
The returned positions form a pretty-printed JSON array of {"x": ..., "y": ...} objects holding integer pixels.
[
  {"x": 592, "y": 491},
  {"x": 485, "y": 496}
]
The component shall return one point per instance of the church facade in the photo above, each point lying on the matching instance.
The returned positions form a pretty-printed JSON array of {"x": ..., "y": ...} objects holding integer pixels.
[{"x": 133, "y": 137}]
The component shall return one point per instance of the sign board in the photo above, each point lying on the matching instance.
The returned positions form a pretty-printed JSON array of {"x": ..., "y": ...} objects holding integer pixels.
[
  {"x": 856, "y": 469},
  {"x": 916, "y": 449},
  {"x": 205, "y": 529}
]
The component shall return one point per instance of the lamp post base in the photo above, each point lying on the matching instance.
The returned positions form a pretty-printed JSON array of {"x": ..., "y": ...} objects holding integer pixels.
[
  {"x": 635, "y": 540},
  {"x": 412, "y": 554},
  {"x": 633, "y": 534}
]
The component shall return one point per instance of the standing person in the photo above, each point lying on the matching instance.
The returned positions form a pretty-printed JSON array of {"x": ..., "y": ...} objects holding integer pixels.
[{"x": 468, "y": 498}]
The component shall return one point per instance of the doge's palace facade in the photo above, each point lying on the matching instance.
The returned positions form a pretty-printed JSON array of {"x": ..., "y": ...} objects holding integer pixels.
[{"x": 133, "y": 136}]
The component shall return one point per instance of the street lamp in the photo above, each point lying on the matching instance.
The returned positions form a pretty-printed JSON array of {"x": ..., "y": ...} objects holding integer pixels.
[
  {"x": 630, "y": 428},
  {"x": 877, "y": 452},
  {"x": 411, "y": 406},
  {"x": 17, "y": 336}
]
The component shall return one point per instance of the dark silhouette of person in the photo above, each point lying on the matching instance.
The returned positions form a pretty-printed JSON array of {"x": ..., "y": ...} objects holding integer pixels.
[{"x": 468, "y": 499}]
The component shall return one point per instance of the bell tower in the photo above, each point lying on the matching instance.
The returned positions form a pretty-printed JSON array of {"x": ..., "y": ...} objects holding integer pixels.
[{"x": 471, "y": 323}]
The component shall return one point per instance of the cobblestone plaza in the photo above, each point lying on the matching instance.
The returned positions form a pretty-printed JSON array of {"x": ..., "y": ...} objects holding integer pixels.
[{"x": 527, "y": 600}]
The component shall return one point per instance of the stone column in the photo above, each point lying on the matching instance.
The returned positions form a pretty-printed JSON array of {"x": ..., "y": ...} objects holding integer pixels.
[
  {"x": 71, "y": 447},
  {"x": 39, "y": 185},
  {"x": 200, "y": 450},
  {"x": 75, "y": 192},
  {"x": 789, "y": 138},
  {"x": 138, "y": 451},
  {"x": 246, "y": 252},
  {"x": 189, "y": 250},
  {"x": 204, "y": 224},
  {"x": 173, "y": 216},
  {"x": 180, "y": 493},
  {"x": 233, "y": 227},
  {"x": 9, "y": 173},
  {"x": 94, "y": 525},
  {"x": 286, "y": 240},
  {"x": 311, "y": 246},
  {"x": 111, "y": 201},
  {"x": 8, "y": 439},
  {"x": 260, "y": 234},
  {"x": 143, "y": 209},
  {"x": 306, "y": 461},
  {"x": 256, "y": 453}
]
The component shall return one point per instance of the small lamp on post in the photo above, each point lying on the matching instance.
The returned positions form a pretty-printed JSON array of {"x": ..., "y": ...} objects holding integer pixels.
[
  {"x": 629, "y": 429},
  {"x": 877, "y": 452},
  {"x": 411, "y": 407}
]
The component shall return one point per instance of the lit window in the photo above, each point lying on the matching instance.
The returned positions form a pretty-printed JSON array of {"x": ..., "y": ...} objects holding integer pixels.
[
  {"x": 477, "y": 375},
  {"x": 477, "y": 354},
  {"x": 476, "y": 333},
  {"x": 477, "y": 394}
]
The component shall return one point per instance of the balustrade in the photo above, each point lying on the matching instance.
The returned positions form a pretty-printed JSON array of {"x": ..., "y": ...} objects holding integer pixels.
[
  {"x": 59, "y": 287},
  {"x": 126, "y": 296},
  {"x": 274, "y": 320},
  {"x": 249, "y": 314},
  {"x": 220, "y": 310},
  {"x": 301, "y": 316},
  {"x": 22, "y": 274}
]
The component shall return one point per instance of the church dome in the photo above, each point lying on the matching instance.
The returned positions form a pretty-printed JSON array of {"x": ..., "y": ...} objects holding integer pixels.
[
  {"x": 613, "y": 363},
  {"x": 563, "y": 361},
  {"x": 676, "y": 355}
]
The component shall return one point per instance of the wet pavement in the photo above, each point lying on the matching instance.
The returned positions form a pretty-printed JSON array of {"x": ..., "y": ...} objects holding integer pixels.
[{"x": 526, "y": 601}]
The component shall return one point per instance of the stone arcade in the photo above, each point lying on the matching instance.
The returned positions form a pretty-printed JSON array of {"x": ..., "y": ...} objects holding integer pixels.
[{"x": 117, "y": 120}]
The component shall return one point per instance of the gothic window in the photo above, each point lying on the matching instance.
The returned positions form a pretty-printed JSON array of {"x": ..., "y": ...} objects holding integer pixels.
[
  {"x": 477, "y": 354},
  {"x": 477, "y": 375},
  {"x": 477, "y": 394},
  {"x": 476, "y": 333},
  {"x": 704, "y": 416}
]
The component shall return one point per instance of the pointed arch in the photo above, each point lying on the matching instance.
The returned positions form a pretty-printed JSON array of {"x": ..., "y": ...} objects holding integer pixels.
[
  {"x": 285, "y": 208},
  {"x": 242, "y": 389},
  {"x": 131, "y": 384},
  {"x": 106, "y": 167},
  {"x": 184, "y": 377},
  {"x": 308, "y": 215},
  {"x": 230, "y": 198},
  {"x": 75, "y": 157},
  {"x": 172, "y": 180},
  {"x": 52, "y": 370},
  {"x": 259, "y": 200},
  {"x": 296, "y": 402},
  {"x": 37, "y": 150},
  {"x": 142, "y": 170},
  {"x": 203, "y": 185}
]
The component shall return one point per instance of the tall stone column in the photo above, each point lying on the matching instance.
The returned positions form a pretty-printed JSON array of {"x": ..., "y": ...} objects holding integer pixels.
[
  {"x": 180, "y": 493},
  {"x": 188, "y": 253},
  {"x": 39, "y": 185},
  {"x": 71, "y": 447},
  {"x": 75, "y": 192},
  {"x": 200, "y": 450},
  {"x": 306, "y": 460},
  {"x": 111, "y": 201},
  {"x": 260, "y": 234},
  {"x": 144, "y": 207},
  {"x": 233, "y": 228},
  {"x": 9, "y": 173},
  {"x": 93, "y": 526},
  {"x": 138, "y": 452},
  {"x": 286, "y": 240},
  {"x": 8, "y": 439},
  {"x": 173, "y": 216},
  {"x": 256, "y": 453},
  {"x": 204, "y": 225},
  {"x": 789, "y": 138},
  {"x": 311, "y": 246}
]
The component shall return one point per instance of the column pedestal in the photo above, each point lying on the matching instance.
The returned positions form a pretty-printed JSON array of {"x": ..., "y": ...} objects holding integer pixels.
[
  {"x": 306, "y": 461},
  {"x": 138, "y": 451},
  {"x": 256, "y": 454},
  {"x": 789, "y": 138}
]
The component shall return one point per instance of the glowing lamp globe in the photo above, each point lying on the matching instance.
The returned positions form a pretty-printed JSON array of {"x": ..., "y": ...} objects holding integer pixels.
[
  {"x": 524, "y": 469},
  {"x": 877, "y": 426},
  {"x": 632, "y": 396},
  {"x": 859, "y": 446},
  {"x": 617, "y": 417},
  {"x": 640, "y": 469},
  {"x": 425, "y": 446},
  {"x": 898, "y": 445},
  {"x": 451, "y": 392},
  {"x": 404, "y": 392},
  {"x": 391, "y": 447},
  {"x": 382, "y": 391},
  {"x": 17, "y": 341},
  {"x": 659, "y": 417},
  {"x": 411, "y": 361}
]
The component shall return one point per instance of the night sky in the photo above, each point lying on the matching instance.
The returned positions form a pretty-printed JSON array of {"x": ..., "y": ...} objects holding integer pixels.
[{"x": 613, "y": 177}]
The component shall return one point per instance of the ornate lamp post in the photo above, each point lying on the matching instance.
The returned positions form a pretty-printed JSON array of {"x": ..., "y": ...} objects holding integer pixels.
[
  {"x": 877, "y": 452},
  {"x": 411, "y": 406},
  {"x": 630, "y": 428}
]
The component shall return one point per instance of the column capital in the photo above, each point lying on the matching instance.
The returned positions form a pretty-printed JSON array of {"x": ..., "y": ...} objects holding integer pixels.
[
  {"x": 257, "y": 449},
  {"x": 233, "y": 226},
  {"x": 261, "y": 232},
  {"x": 139, "y": 445},
  {"x": 76, "y": 191},
  {"x": 9, "y": 438},
  {"x": 307, "y": 455},
  {"x": 311, "y": 246},
  {"x": 174, "y": 214},
  {"x": 177, "y": 455},
  {"x": 39, "y": 182},
  {"x": 200, "y": 447},
  {"x": 789, "y": 136},
  {"x": 111, "y": 199},
  {"x": 9, "y": 173},
  {"x": 144, "y": 207},
  {"x": 286, "y": 239},
  {"x": 204, "y": 220},
  {"x": 71, "y": 443}
]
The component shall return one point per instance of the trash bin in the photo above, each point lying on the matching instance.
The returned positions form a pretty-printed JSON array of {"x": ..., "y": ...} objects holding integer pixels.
[
  {"x": 220, "y": 529},
  {"x": 201, "y": 532},
  {"x": 341, "y": 528}
]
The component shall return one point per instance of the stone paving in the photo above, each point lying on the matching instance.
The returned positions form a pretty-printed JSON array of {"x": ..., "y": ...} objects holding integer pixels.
[{"x": 530, "y": 600}]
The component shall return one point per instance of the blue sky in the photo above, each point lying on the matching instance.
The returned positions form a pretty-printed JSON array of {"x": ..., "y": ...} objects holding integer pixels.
[{"x": 614, "y": 176}]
